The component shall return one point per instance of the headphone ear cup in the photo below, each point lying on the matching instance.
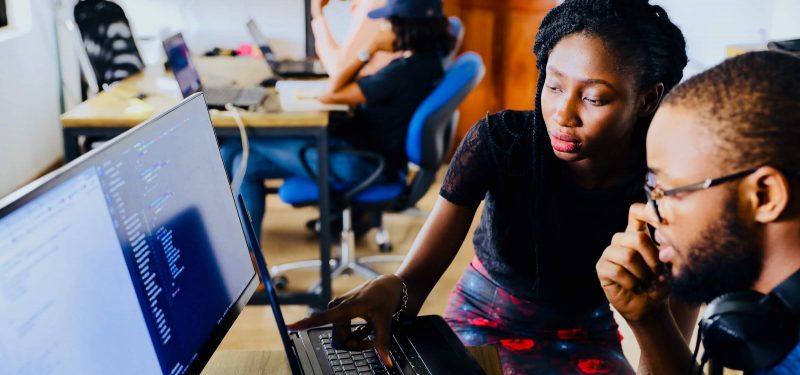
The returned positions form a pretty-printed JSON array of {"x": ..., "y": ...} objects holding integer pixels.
[{"x": 742, "y": 332}]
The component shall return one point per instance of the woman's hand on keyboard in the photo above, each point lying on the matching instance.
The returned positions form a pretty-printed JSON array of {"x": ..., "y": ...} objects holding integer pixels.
[{"x": 374, "y": 301}]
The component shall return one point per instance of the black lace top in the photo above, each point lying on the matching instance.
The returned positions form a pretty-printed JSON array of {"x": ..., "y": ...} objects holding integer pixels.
[{"x": 495, "y": 162}]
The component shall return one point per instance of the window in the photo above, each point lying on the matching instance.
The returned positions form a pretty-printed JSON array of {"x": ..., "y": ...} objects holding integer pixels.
[
  {"x": 3, "y": 13},
  {"x": 15, "y": 18}
]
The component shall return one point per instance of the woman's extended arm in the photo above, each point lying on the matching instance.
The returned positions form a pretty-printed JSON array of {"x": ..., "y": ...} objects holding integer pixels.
[
  {"x": 434, "y": 249},
  {"x": 377, "y": 300}
]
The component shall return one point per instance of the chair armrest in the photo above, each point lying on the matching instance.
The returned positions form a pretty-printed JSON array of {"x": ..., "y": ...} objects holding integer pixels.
[{"x": 347, "y": 150}]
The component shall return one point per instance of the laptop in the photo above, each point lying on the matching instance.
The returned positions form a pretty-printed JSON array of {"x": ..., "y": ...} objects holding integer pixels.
[
  {"x": 309, "y": 68},
  {"x": 423, "y": 345},
  {"x": 189, "y": 80},
  {"x": 129, "y": 260}
]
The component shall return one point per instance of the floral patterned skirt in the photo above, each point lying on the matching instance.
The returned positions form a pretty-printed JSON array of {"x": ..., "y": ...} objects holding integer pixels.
[{"x": 531, "y": 337}]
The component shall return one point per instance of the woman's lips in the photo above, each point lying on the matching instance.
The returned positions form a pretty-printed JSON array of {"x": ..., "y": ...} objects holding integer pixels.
[{"x": 564, "y": 143}]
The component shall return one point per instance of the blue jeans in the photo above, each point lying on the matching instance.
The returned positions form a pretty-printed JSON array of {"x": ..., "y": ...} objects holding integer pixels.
[{"x": 280, "y": 158}]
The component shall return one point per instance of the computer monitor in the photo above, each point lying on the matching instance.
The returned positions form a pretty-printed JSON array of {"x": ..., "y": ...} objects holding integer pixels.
[{"x": 129, "y": 260}]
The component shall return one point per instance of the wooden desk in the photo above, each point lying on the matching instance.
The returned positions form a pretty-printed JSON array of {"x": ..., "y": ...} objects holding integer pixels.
[
  {"x": 231, "y": 362},
  {"x": 123, "y": 106},
  {"x": 118, "y": 108}
]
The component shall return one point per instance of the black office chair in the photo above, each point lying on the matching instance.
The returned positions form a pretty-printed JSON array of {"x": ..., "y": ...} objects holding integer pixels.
[{"x": 107, "y": 40}]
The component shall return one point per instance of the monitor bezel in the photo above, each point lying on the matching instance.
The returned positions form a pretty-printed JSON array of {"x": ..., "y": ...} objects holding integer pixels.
[{"x": 44, "y": 184}]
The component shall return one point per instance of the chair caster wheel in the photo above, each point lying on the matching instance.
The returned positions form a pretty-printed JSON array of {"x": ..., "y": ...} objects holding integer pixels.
[
  {"x": 280, "y": 282},
  {"x": 385, "y": 247}
]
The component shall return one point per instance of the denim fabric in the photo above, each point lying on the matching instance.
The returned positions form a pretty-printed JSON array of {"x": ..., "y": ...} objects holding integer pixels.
[
  {"x": 789, "y": 366},
  {"x": 280, "y": 158}
]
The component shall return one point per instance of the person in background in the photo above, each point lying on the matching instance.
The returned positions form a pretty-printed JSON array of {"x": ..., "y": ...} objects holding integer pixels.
[
  {"x": 556, "y": 184},
  {"x": 384, "y": 104},
  {"x": 735, "y": 129},
  {"x": 333, "y": 55}
]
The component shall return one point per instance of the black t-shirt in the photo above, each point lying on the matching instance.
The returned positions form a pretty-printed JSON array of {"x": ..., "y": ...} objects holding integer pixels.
[
  {"x": 393, "y": 94},
  {"x": 495, "y": 162}
]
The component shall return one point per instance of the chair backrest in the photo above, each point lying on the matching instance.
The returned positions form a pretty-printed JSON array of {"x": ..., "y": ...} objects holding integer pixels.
[
  {"x": 108, "y": 40},
  {"x": 457, "y": 29},
  {"x": 430, "y": 133}
]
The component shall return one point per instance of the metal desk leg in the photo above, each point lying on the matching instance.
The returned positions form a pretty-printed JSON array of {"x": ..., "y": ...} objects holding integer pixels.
[
  {"x": 325, "y": 220},
  {"x": 72, "y": 148}
]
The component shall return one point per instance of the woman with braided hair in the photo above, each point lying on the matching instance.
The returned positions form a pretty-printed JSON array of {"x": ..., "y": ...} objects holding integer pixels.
[{"x": 556, "y": 184}]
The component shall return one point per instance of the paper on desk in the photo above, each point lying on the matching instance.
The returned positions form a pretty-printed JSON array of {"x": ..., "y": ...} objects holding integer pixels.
[
  {"x": 138, "y": 106},
  {"x": 299, "y": 95}
]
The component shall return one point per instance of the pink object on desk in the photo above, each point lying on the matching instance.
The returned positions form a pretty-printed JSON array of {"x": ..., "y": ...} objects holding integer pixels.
[{"x": 245, "y": 49}]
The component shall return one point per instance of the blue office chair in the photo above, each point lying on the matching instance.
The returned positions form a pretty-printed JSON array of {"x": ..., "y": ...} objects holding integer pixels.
[
  {"x": 429, "y": 138},
  {"x": 108, "y": 41},
  {"x": 457, "y": 29}
]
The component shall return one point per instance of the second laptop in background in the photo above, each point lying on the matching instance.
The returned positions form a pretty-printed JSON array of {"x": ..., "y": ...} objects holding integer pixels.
[
  {"x": 309, "y": 68},
  {"x": 189, "y": 79}
]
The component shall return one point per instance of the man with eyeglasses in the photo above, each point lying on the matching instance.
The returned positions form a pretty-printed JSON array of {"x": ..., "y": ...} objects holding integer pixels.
[{"x": 722, "y": 220}]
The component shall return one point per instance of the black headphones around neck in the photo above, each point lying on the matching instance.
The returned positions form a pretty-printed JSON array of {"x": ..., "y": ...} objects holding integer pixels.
[{"x": 747, "y": 330}]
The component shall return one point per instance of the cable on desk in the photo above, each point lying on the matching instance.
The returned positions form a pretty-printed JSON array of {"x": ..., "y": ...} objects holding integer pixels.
[{"x": 238, "y": 175}]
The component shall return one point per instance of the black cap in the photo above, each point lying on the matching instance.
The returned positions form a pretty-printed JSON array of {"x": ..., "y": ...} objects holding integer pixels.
[{"x": 409, "y": 9}]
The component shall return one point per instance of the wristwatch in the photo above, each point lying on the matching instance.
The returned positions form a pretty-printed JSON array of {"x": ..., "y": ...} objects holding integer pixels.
[{"x": 363, "y": 55}]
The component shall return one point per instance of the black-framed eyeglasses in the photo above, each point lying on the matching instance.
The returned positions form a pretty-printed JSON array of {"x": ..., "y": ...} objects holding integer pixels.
[{"x": 656, "y": 193}]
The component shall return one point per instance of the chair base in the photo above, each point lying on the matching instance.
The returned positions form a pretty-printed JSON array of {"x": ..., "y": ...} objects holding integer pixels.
[{"x": 347, "y": 263}]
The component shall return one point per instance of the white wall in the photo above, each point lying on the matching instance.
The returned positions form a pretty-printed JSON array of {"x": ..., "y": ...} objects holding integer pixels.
[
  {"x": 711, "y": 25},
  {"x": 212, "y": 23},
  {"x": 30, "y": 132},
  {"x": 30, "y": 136}
]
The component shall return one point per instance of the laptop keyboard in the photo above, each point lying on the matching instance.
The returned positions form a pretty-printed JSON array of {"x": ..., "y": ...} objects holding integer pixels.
[
  {"x": 234, "y": 95},
  {"x": 297, "y": 66},
  {"x": 222, "y": 95},
  {"x": 345, "y": 362}
]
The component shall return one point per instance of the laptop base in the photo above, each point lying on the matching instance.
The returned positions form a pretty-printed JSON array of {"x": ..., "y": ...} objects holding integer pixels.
[
  {"x": 424, "y": 345},
  {"x": 218, "y": 97}
]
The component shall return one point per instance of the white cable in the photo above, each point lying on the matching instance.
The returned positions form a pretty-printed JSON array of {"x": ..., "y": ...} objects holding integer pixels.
[{"x": 238, "y": 175}]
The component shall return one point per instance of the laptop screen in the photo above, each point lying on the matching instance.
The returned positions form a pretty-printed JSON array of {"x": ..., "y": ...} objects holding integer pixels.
[
  {"x": 181, "y": 63},
  {"x": 263, "y": 45},
  {"x": 129, "y": 260}
]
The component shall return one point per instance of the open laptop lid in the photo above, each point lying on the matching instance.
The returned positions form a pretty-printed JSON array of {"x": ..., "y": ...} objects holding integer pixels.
[
  {"x": 263, "y": 45},
  {"x": 261, "y": 263},
  {"x": 183, "y": 68},
  {"x": 129, "y": 260}
]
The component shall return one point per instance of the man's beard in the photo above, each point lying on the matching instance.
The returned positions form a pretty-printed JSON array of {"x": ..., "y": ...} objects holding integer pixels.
[{"x": 725, "y": 258}]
